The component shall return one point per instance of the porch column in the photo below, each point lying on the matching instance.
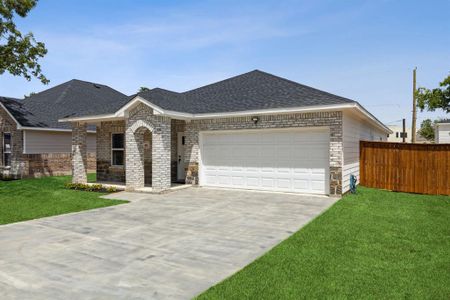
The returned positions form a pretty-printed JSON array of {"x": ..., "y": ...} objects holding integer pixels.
[
  {"x": 134, "y": 158},
  {"x": 79, "y": 153},
  {"x": 161, "y": 142}
]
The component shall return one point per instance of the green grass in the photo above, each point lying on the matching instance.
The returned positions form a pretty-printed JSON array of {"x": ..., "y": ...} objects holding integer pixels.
[
  {"x": 28, "y": 199},
  {"x": 376, "y": 245}
]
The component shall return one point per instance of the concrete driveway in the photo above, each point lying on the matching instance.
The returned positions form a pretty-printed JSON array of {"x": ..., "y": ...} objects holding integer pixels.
[{"x": 170, "y": 246}]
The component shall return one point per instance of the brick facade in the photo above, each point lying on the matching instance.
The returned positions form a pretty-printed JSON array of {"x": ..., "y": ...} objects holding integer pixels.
[
  {"x": 105, "y": 170},
  {"x": 332, "y": 120},
  {"x": 18, "y": 165},
  {"x": 141, "y": 119},
  {"x": 54, "y": 164},
  {"x": 79, "y": 153},
  {"x": 163, "y": 131},
  {"x": 176, "y": 127},
  {"x": 33, "y": 165}
]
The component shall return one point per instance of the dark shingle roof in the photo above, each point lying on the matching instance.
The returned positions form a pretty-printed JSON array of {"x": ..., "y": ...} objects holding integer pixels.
[
  {"x": 250, "y": 91},
  {"x": 72, "y": 98},
  {"x": 254, "y": 90}
]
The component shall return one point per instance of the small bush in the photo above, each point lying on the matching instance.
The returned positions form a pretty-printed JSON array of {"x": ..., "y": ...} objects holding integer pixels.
[
  {"x": 90, "y": 187},
  {"x": 111, "y": 189}
]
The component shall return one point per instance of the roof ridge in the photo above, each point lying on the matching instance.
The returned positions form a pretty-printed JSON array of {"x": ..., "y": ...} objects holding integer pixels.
[
  {"x": 301, "y": 84},
  {"x": 220, "y": 81},
  {"x": 64, "y": 93},
  {"x": 163, "y": 89},
  {"x": 96, "y": 83}
]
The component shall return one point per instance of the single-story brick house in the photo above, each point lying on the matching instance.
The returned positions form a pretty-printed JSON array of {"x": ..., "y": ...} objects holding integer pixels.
[
  {"x": 253, "y": 131},
  {"x": 34, "y": 143}
]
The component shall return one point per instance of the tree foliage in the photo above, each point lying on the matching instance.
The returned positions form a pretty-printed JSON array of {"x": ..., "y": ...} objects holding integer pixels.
[
  {"x": 143, "y": 89},
  {"x": 427, "y": 129},
  {"x": 19, "y": 53},
  {"x": 437, "y": 98}
]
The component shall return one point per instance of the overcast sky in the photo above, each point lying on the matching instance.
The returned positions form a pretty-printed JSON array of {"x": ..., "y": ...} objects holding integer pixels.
[{"x": 363, "y": 50}]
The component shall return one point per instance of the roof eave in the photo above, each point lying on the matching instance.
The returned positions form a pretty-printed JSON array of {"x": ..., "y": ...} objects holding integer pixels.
[{"x": 120, "y": 114}]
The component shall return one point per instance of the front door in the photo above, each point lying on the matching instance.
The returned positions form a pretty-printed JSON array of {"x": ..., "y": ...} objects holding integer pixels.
[{"x": 180, "y": 157}]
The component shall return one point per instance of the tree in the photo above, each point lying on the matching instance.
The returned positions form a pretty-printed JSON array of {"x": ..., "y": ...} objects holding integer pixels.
[
  {"x": 29, "y": 95},
  {"x": 427, "y": 129},
  {"x": 438, "y": 98},
  {"x": 143, "y": 89},
  {"x": 19, "y": 54}
]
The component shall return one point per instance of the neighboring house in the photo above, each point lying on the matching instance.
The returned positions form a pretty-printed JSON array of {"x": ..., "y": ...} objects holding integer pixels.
[
  {"x": 253, "y": 131},
  {"x": 34, "y": 143},
  {"x": 442, "y": 132},
  {"x": 397, "y": 135}
]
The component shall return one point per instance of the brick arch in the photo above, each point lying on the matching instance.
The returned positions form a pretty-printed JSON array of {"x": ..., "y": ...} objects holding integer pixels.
[{"x": 141, "y": 124}]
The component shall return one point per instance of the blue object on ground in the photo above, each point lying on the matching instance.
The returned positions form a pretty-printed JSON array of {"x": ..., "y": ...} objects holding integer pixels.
[{"x": 353, "y": 181}]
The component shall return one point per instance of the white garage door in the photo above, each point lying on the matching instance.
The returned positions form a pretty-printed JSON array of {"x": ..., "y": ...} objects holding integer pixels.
[{"x": 274, "y": 160}]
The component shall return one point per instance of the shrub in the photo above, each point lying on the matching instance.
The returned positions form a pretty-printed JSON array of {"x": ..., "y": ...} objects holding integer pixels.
[{"x": 90, "y": 187}]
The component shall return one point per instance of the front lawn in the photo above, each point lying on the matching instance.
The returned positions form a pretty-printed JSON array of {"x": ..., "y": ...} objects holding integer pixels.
[
  {"x": 376, "y": 244},
  {"x": 28, "y": 199}
]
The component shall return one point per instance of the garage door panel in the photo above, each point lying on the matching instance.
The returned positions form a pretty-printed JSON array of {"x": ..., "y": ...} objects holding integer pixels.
[
  {"x": 301, "y": 184},
  {"x": 283, "y": 183},
  {"x": 289, "y": 160},
  {"x": 237, "y": 181}
]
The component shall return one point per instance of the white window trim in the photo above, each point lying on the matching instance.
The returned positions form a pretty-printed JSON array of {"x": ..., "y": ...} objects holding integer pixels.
[
  {"x": 4, "y": 151},
  {"x": 117, "y": 149}
]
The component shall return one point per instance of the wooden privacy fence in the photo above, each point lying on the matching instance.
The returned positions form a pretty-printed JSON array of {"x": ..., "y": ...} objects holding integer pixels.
[{"x": 413, "y": 168}]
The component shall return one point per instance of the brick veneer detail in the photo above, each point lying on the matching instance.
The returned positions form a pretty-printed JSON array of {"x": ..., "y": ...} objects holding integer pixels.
[
  {"x": 79, "y": 153},
  {"x": 139, "y": 120}
]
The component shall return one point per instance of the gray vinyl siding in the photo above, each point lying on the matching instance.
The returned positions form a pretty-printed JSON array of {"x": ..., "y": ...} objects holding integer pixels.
[{"x": 40, "y": 142}]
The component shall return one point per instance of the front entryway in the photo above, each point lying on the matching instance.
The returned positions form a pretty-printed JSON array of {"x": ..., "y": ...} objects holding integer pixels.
[
  {"x": 181, "y": 173},
  {"x": 287, "y": 160}
]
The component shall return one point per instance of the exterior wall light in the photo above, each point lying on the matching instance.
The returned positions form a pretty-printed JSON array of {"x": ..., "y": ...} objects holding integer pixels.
[{"x": 255, "y": 119}]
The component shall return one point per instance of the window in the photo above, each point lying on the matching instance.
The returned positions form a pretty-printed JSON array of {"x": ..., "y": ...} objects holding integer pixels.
[
  {"x": 7, "y": 149},
  {"x": 117, "y": 146},
  {"x": 396, "y": 134}
]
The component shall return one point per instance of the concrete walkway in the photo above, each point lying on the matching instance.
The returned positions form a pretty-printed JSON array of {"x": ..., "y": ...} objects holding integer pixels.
[{"x": 170, "y": 246}]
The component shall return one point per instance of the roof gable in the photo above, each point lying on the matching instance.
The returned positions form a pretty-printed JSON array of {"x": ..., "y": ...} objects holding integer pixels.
[{"x": 254, "y": 90}]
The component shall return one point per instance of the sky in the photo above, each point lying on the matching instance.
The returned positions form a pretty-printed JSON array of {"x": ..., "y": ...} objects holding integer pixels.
[{"x": 362, "y": 50}]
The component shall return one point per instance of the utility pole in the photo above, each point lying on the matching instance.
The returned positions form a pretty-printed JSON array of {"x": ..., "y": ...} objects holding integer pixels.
[
  {"x": 404, "y": 131},
  {"x": 414, "y": 112}
]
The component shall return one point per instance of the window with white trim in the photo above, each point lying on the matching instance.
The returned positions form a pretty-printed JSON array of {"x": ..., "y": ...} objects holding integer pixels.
[
  {"x": 7, "y": 149},
  {"x": 117, "y": 149}
]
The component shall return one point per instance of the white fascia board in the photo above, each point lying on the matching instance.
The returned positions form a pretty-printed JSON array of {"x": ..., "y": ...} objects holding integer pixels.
[
  {"x": 120, "y": 114},
  {"x": 25, "y": 128},
  {"x": 91, "y": 119},
  {"x": 372, "y": 118},
  {"x": 272, "y": 111},
  {"x": 138, "y": 99}
]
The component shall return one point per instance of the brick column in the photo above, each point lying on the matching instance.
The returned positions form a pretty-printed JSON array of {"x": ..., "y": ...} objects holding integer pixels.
[
  {"x": 336, "y": 156},
  {"x": 79, "y": 153},
  {"x": 161, "y": 142},
  {"x": 134, "y": 159},
  {"x": 140, "y": 119}
]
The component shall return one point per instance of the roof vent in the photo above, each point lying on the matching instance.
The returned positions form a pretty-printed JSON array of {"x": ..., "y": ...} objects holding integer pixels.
[{"x": 96, "y": 85}]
